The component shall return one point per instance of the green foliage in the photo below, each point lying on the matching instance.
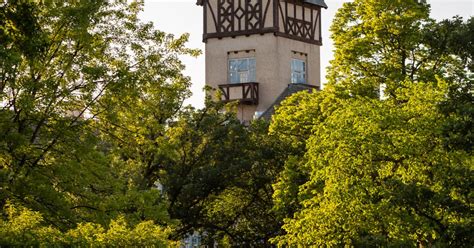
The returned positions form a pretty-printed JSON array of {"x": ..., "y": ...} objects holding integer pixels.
[
  {"x": 379, "y": 174},
  {"x": 387, "y": 42},
  {"x": 91, "y": 120},
  {"x": 459, "y": 108},
  {"x": 86, "y": 91},
  {"x": 24, "y": 227},
  {"x": 293, "y": 125},
  {"x": 395, "y": 172},
  {"x": 218, "y": 179}
]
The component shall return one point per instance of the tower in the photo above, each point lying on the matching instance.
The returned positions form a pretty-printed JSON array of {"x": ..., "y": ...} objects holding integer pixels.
[{"x": 258, "y": 51}]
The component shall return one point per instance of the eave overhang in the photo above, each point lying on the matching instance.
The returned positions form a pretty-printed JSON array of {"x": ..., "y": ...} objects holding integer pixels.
[{"x": 319, "y": 3}]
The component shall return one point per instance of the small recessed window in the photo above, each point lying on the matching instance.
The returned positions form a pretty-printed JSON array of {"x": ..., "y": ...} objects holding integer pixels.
[
  {"x": 298, "y": 71},
  {"x": 242, "y": 70}
]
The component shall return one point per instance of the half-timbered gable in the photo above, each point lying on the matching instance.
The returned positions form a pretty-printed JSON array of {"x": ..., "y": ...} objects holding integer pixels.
[
  {"x": 295, "y": 19},
  {"x": 298, "y": 19}
]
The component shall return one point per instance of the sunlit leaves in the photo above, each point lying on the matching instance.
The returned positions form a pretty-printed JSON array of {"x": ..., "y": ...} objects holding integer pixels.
[
  {"x": 387, "y": 42},
  {"x": 26, "y": 227},
  {"x": 377, "y": 173},
  {"x": 87, "y": 91}
]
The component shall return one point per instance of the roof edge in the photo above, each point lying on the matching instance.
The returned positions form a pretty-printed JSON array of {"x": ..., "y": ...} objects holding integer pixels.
[
  {"x": 319, "y": 3},
  {"x": 288, "y": 91}
]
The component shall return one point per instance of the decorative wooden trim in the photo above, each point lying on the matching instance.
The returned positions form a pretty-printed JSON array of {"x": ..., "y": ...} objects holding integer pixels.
[
  {"x": 204, "y": 17},
  {"x": 312, "y": 20},
  {"x": 212, "y": 13},
  {"x": 249, "y": 93},
  {"x": 276, "y": 19},
  {"x": 303, "y": 10},
  {"x": 320, "y": 27},
  {"x": 293, "y": 37},
  {"x": 264, "y": 20},
  {"x": 285, "y": 16},
  {"x": 237, "y": 33},
  {"x": 295, "y": 23},
  {"x": 247, "y": 17}
]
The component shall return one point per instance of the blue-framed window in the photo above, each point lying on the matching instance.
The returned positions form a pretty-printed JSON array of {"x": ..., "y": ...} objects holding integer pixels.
[
  {"x": 242, "y": 70},
  {"x": 298, "y": 71}
]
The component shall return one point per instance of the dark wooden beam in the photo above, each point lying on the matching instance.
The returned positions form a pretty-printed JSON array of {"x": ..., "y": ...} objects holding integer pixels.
[
  {"x": 247, "y": 18},
  {"x": 249, "y": 93}
]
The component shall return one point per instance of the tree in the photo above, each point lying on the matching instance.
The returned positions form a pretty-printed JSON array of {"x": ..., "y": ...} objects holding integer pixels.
[
  {"x": 379, "y": 174},
  {"x": 390, "y": 172},
  {"x": 387, "y": 42},
  {"x": 457, "y": 36},
  {"x": 87, "y": 91},
  {"x": 293, "y": 124},
  {"x": 218, "y": 177}
]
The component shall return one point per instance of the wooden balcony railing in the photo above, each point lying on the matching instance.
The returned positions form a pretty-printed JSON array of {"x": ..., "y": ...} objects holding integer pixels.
[{"x": 245, "y": 93}]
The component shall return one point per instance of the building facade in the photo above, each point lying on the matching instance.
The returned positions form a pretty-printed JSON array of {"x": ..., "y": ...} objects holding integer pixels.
[{"x": 257, "y": 49}]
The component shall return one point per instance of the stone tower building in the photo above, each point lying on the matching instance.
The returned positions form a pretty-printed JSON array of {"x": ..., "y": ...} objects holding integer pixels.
[{"x": 259, "y": 51}]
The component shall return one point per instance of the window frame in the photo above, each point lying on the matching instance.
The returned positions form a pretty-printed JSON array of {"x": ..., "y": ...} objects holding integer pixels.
[
  {"x": 251, "y": 77},
  {"x": 294, "y": 71}
]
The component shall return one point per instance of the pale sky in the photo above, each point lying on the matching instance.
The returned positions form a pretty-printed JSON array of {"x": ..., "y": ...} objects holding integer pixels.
[{"x": 184, "y": 16}]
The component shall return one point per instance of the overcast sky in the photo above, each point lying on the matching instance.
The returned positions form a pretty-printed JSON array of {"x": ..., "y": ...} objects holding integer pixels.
[{"x": 183, "y": 16}]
